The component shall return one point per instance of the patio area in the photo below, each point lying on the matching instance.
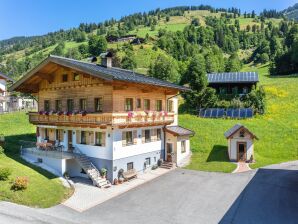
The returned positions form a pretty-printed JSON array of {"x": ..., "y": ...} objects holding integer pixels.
[{"x": 87, "y": 196}]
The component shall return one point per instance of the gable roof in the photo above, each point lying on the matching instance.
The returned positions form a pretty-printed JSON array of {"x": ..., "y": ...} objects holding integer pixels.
[
  {"x": 107, "y": 73},
  {"x": 233, "y": 77},
  {"x": 235, "y": 128},
  {"x": 179, "y": 131},
  {"x": 2, "y": 76}
]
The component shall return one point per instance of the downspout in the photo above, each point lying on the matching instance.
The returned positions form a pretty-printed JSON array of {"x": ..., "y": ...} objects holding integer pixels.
[{"x": 164, "y": 128}]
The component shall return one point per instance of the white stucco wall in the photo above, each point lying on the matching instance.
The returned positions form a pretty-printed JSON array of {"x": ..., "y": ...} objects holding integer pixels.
[{"x": 232, "y": 145}]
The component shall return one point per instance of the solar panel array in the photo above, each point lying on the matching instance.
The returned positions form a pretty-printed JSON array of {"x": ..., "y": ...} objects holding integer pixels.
[
  {"x": 239, "y": 113},
  {"x": 233, "y": 77}
]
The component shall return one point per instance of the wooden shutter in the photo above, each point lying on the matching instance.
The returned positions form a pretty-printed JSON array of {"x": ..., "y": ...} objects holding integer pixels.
[
  {"x": 78, "y": 137},
  {"x": 153, "y": 133},
  {"x": 103, "y": 138},
  {"x": 61, "y": 135},
  {"x": 41, "y": 132},
  {"x": 92, "y": 138},
  {"x": 123, "y": 138},
  {"x": 143, "y": 136},
  {"x": 135, "y": 137}
]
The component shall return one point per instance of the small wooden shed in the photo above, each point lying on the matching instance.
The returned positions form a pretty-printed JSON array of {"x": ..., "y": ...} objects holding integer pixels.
[{"x": 240, "y": 143}]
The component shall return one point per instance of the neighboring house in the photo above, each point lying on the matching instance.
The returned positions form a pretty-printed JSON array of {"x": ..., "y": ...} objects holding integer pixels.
[
  {"x": 113, "y": 39},
  {"x": 10, "y": 102},
  {"x": 240, "y": 143},
  {"x": 233, "y": 83},
  {"x": 104, "y": 117}
]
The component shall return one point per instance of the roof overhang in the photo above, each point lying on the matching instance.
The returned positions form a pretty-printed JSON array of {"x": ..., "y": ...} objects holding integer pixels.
[{"x": 179, "y": 131}]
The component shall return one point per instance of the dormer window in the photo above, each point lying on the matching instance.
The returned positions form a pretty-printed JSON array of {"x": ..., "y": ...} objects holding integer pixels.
[{"x": 242, "y": 132}]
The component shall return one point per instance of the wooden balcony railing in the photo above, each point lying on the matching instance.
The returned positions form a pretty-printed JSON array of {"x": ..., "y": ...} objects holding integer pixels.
[{"x": 103, "y": 118}]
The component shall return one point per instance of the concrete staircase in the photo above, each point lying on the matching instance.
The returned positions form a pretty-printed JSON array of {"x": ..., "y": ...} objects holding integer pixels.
[
  {"x": 92, "y": 171},
  {"x": 167, "y": 165}
]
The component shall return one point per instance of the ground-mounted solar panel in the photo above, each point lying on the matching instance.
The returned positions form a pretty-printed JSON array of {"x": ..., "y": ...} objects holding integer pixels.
[
  {"x": 242, "y": 113},
  {"x": 229, "y": 112},
  {"x": 249, "y": 113},
  {"x": 236, "y": 113},
  {"x": 214, "y": 112},
  {"x": 202, "y": 112},
  {"x": 208, "y": 113},
  {"x": 220, "y": 113}
]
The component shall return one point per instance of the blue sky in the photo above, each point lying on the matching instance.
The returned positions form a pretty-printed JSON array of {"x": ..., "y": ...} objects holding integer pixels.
[{"x": 36, "y": 17}]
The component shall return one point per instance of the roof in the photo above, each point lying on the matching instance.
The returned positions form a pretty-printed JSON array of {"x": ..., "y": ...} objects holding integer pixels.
[
  {"x": 107, "y": 73},
  {"x": 179, "y": 131},
  {"x": 233, "y": 77},
  {"x": 5, "y": 77},
  {"x": 235, "y": 128}
]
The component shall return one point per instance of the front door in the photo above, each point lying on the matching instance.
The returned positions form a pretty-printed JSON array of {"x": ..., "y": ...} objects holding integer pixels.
[
  {"x": 69, "y": 139},
  {"x": 169, "y": 152},
  {"x": 241, "y": 151}
]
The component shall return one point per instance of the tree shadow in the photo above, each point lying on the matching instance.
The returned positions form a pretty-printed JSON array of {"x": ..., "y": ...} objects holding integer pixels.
[
  {"x": 270, "y": 197},
  {"x": 219, "y": 153},
  {"x": 12, "y": 151}
]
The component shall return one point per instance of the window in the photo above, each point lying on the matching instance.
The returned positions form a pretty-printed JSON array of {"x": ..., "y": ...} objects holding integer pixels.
[
  {"x": 241, "y": 134},
  {"x": 139, "y": 103},
  {"x": 170, "y": 106},
  {"x": 183, "y": 147},
  {"x": 58, "y": 105},
  {"x": 222, "y": 90},
  {"x": 147, "y": 136},
  {"x": 130, "y": 166},
  {"x": 158, "y": 134},
  {"x": 64, "y": 78},
  {"x": 83, "y": 104},
  {"x": 98, "y": 104},
  {"x": 83, "y": 137},
  {"x": 70, "y": 105},
  {"x": 146, "y": 104},
  {"x": 245, "y": 90},
  {"x": 47, "y": 105},
  {"x": 148, "y": 162},
  {"x": 98, "y": 138},
  {"x": 128, "y": 137},
  {"x": 46, "y": 134},
  {"x": 76, "y": 77},
  {"x": 158, "y": 105},
  {"x": 128, "y": 104}
]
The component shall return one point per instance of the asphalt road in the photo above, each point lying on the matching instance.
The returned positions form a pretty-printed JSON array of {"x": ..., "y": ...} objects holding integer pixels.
[{"x": 268, "y": 195}]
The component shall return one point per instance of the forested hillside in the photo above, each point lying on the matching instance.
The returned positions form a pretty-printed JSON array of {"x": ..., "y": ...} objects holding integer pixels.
[{"x": 224, "y": 39}]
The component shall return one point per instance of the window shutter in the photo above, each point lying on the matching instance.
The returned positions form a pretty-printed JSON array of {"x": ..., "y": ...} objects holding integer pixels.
[
  {"x": 135, "y": 137},
  {"x": 92, "y": 138},
  {"x": 61, "y": 133},
  {"x": 103, "y": 138},
  {"x": 41, "y": 131},
  {"x": 78, "y": 137},
  {"x": 154, "y": 135},
  {"x": 143, "y": 136},
  {"x": 123, "y": 138}
]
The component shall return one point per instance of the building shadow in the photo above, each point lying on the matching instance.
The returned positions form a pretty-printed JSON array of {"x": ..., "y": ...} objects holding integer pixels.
[
  {"x": 270, "y": 197},
  {"x": 12, "y": 150},
  {"x": 219, "y": 153}
]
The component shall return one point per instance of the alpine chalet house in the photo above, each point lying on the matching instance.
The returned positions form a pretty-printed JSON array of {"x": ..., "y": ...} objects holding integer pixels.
[
  {"x": 95, "y": 116},
  {"x": 233, "y": 83},
  {"x": 4, "y": 80}
]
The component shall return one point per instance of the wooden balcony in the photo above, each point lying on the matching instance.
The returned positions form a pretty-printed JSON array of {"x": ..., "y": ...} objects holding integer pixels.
[{"x": 103, "y": 119}]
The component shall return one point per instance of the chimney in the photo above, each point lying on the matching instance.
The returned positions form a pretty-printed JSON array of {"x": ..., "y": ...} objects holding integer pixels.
[{"x": 106, "y": 59}]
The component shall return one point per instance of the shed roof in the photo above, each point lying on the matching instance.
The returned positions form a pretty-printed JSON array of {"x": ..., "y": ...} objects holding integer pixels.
[
  {"x": 233, "y": 77},
  {"x": 179, "y": 131},
  {"x": 229, "y": 133},
  {"x": 108, "y": 73},
  {"x": 2, "y": 76}
]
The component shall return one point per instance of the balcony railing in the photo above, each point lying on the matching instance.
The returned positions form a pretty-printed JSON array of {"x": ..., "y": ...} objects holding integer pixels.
[
  {"x": 103, "y": 118},
  {"x": 43, "y": 153}
]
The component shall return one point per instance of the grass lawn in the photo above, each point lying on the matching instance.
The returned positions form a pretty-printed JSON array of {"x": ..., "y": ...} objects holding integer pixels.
[
  {"x": 277, "y": 129},
  {"x": 44, "y": 189}
]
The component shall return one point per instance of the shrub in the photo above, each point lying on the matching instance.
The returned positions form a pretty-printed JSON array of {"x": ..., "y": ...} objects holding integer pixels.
[
  {"x": 103, "y": 172},
  {"x": 1, "y": 150},
  {"x": 4, "y": 173},
  {"x": 20, "y": 183}
]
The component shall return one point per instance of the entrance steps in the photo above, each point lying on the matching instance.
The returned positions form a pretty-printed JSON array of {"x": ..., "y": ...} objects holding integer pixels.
[
  {"x": 92, "y": 171},
  {"x": 167, "y": 165}
]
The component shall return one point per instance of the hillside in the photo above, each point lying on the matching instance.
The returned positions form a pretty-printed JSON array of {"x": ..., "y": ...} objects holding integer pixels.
[
  {"x": 22, "y": 53},
  {"x": 291, "y": 12}
]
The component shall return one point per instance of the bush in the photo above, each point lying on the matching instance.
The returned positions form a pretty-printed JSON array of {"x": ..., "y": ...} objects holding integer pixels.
[
  {"x": 4, "y": 173},
  {"x": 1, "y": 150},
  {"x": 20, "y": 183}
]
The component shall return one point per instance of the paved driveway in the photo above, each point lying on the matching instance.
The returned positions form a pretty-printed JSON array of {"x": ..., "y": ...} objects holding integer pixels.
[{"x": 265, "y": 196}]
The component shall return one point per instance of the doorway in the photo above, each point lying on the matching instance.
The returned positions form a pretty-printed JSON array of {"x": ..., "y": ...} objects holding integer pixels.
[
  {"x": 241, "y": 146},
  {"x": 169, "y": 152}
]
